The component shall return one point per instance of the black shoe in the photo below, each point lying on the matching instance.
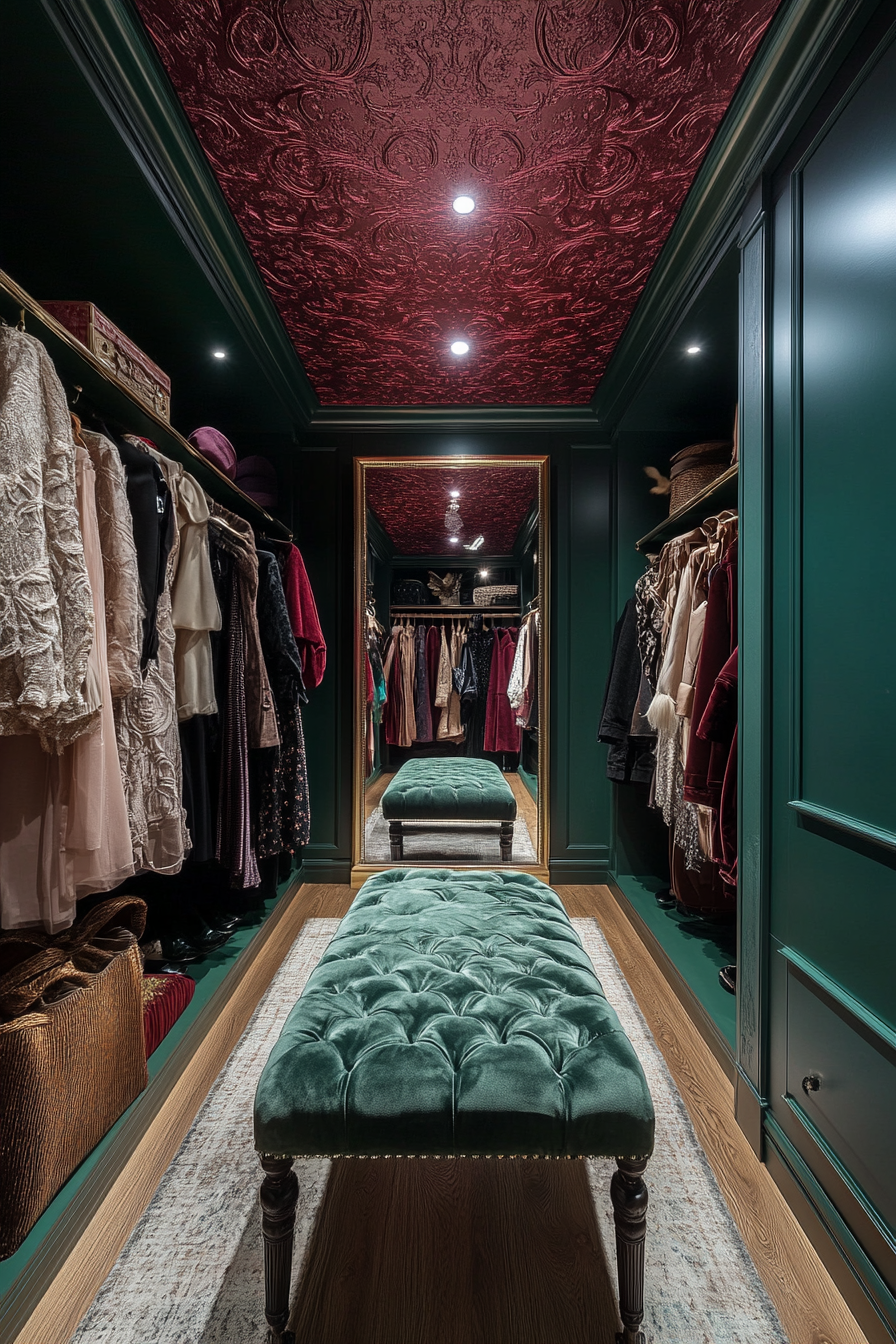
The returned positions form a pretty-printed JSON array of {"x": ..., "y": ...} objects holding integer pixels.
[
  {"x": 178, "y": 950},
  {"x": 728, "y": 978},
  {"x": 665, "y": 900}
]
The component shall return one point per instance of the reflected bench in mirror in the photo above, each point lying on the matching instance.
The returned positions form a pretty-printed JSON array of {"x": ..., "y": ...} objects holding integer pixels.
[{"x": 430, "y": 791}]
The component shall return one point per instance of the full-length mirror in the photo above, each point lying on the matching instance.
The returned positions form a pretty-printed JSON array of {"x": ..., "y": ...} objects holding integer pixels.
[{"x": 451, "y": 664}]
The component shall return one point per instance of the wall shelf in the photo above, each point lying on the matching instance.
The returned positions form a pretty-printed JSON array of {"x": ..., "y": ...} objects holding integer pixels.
[
  {"x": 468, "y": 609},
  {"x": 79, "y": 367},
  {"x": 719, "y": 494}
]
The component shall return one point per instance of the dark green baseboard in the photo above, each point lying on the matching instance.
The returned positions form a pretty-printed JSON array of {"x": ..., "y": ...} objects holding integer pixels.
[
  {"x": 630, "y": 894},
  {"x": 579, "y": 872},
  {"x": 329, "y": 871},
  {"x": 26, "y": 1275},
  {"x": 868, "y": 1296}
]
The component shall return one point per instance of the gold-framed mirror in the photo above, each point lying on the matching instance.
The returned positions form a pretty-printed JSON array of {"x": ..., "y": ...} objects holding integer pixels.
[{"x": 451, "y": 663}]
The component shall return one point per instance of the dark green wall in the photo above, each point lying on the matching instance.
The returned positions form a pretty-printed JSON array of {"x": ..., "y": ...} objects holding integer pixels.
[
  {"x": 582, "y": 621},
  {"x": 832, "y": 825}
]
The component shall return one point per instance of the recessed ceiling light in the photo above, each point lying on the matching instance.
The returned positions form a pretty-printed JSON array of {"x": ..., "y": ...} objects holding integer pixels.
[
  {"x": 459, "y": 348},
  {"x": 694, "y": 349},
  {"x": 454, "y": 538},
  {"x": 455, "y": 494},
  {"x": 464, "y": 204},
  {"x": 220, "y": 354},
  {"x": 483, "y": 573}
]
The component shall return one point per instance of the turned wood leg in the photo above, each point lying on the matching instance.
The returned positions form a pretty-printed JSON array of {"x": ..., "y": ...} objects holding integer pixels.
[
  {"x": 279, "y": 1196},
  {"x": 396, "y": 840},
  {"x": 506, "y": 841},
  {"x": 629, "y": 1195}
]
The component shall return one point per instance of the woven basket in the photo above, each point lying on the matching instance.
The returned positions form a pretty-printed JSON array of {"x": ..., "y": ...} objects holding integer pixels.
[
  {"x": 72, "y": 1052},
  {"x": 491, "y": 593},
  {"x": 696, "y": 467}
]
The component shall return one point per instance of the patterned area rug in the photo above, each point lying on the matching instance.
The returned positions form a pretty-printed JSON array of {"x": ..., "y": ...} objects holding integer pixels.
[
  {"x": 471, "y": 841},
  {"x": 192, "y": 1272}
]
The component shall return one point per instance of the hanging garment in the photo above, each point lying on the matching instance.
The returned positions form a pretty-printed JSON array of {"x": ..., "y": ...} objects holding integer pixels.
[
  {"x": 302, "y": 613},
  {"x": 719, "y": 725},
  {"x": 708, "y": 760},
  {"x": 234, "y": 846},
  {"x": 121, "y": 579},
  {"x": 649, "y": 620},
  {"x": 392, "y": 671},
  {"x": 194, "y": 604},
  {"x": 433, "y": 658},
  {"x": 149, "y": 501},
  {"x": 422, "y": 696},
  {"x": 236, "y": 534},
  {"x": 284, "y": 814},
  {"x": 522, "y": 689},
  {"x": 447, "y": 698},
  {"x": 408, "y": 679},
  {"x": 630, "y": 758},
  {"x": 501, "y": 730},
  {"x": 46, "y": 612},
  {"x": 149, "y": 749},
  {"x": 64, "y": 832}
]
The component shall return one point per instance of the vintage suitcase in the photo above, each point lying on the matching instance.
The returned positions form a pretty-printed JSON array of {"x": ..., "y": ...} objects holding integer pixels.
[{"x": 121, "y": 356}]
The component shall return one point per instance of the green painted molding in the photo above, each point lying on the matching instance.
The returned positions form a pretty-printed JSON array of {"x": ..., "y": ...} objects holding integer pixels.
[
  {"x": 803, "y": 46},
  {"x": 112, "y": 49},
  {"x": 867, "y": 1294},
  {"x": 453, "y": 418},
  {"x": 875, "y": 835}
]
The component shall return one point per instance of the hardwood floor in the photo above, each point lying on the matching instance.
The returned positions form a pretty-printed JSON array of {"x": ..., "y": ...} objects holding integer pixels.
[
  {"x": 805, "y": 1297},
  {"x": 456, "y": 1252},
  {"x": 486, "y": 1253}
]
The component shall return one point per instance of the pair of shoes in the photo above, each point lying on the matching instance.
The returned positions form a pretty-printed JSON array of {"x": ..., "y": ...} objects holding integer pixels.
[
  {"x": 665, "y": 899},
  {"x": 728, "y": 978}
]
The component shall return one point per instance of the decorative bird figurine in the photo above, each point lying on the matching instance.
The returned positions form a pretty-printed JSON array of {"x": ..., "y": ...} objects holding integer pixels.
[
  {"x": 663, "y": 484},
  {"x": 447, "y": 590}
]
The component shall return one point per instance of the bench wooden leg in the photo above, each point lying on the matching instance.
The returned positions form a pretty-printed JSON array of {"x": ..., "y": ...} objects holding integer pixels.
[
  {"x": 279, "y": 1197},
  {"x": 396, "y": 840},
  {"x": 629, "y": 1195},
  {"x": 506, "y": 841}
]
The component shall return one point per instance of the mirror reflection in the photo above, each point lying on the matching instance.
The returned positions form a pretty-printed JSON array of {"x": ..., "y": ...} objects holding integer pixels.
[{"x": 451, "y": 663}]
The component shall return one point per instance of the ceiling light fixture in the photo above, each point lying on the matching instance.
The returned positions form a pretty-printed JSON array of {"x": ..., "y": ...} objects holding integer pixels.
[
  {"x": 464, "y": 205},
  {"x": 453, "y": 521},
  {"x": 694, "y": 349},
  {"x": 455, "y": 494},
  {"x": 460, "y": 348},
  {"x": 453, "y": 539},
  {"x": 483, "y": 573},
  {"x": 220, "y": 354},
  {"x": 475, "y": 544}
]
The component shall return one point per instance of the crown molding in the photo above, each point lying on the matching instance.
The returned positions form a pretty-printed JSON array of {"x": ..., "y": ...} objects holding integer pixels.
[
  {"x": 111, "y": 48},
  {"x": 560, "y": 419}
]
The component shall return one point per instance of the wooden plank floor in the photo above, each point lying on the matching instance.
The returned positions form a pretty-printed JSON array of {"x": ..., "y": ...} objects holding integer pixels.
[{"x": 471, "y": 1253}]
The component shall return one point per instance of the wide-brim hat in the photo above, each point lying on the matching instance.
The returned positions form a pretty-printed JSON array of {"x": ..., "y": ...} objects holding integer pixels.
[{"x": 212, "y": 444}]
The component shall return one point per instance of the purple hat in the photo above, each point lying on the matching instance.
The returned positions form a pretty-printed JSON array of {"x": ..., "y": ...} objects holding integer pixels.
[
  {"x": 257, "y": 478},
  {"x": 212, "y": 444}
]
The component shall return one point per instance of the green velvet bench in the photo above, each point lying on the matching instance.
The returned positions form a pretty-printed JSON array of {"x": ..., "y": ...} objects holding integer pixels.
[
  {"x": 455, "y": 1014},
  {"x": 448, "y": 789}
]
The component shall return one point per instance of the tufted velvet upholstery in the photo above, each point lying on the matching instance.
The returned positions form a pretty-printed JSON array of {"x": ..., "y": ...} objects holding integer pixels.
[
  {"x": 454, "y": 1013},
  {"x": 442, "y": 789}
]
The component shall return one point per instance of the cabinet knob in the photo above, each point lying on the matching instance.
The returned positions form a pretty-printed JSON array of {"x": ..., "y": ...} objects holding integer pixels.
[{"x": 811, "y": 1083}]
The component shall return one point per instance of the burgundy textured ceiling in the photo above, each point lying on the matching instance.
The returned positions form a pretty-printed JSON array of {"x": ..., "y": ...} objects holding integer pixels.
[
  {"x": 341, "y": 131},
  {"x": 411, "y": 503}
]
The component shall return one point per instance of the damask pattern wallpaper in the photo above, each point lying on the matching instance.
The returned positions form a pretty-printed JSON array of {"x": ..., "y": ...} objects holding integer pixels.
[{"x": 341, "y": 131}]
